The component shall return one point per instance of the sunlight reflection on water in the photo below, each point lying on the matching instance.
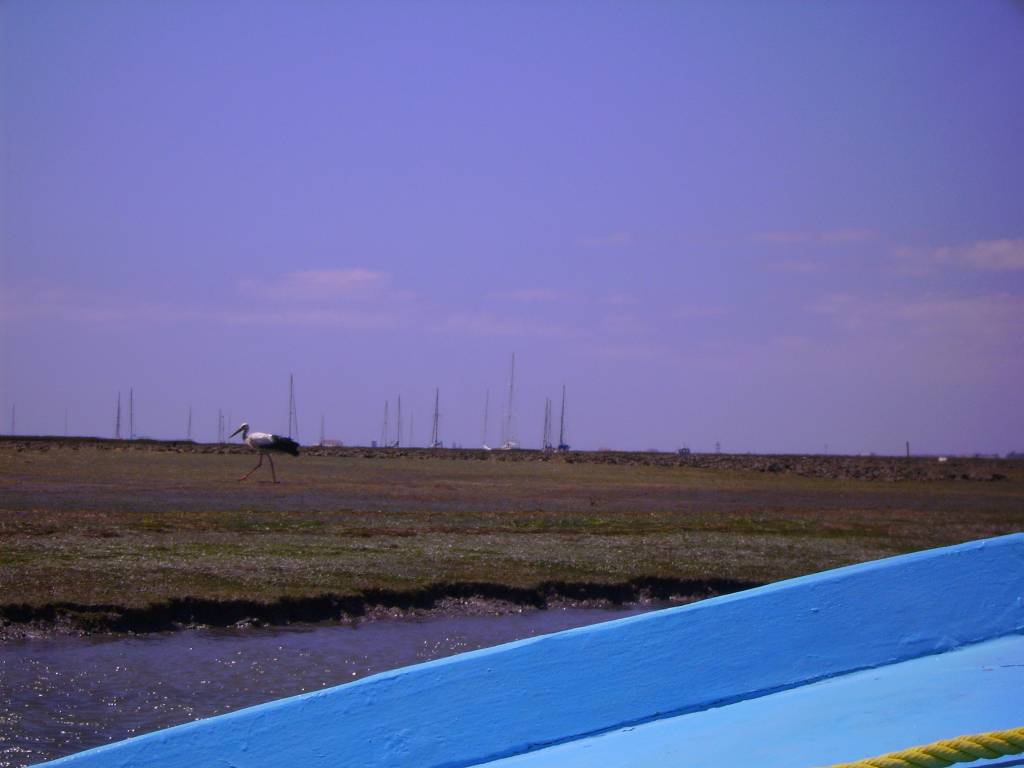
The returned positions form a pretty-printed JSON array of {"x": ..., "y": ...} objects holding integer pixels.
[{"x": 65, "y": 694}]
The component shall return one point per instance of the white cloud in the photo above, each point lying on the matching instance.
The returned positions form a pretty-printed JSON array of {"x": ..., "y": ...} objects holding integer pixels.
[
  {"x": 326, "y": 318},
  {"x": 68, "y": 304},
  {"x": 830, "y": 237},
  {"x": 547, "y": 296},
  {"x": 987, "y": 255},
  {"x": 985, "y": 318},
  {"x": 1000, "y": 255},
  {"x": 319, "y": 285}
]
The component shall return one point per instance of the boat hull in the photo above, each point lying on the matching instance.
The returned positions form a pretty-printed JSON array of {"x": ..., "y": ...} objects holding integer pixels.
[{"x": 526, "y": 696}]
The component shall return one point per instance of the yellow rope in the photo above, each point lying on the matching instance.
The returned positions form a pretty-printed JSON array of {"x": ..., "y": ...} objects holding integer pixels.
[{"x": 963, "y": 749}]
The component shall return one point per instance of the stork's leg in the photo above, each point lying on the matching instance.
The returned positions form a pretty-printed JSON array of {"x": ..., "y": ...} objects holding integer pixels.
[
  {"x": 258, "y": 465},
  {"x": 272, "y": 473}
]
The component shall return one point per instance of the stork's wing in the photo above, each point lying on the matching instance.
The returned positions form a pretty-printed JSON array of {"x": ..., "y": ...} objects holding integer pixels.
[{"x": 285, "y": 445}]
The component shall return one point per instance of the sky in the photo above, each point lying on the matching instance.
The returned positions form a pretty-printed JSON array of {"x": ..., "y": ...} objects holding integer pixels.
[{"x": 769, "y": 227}]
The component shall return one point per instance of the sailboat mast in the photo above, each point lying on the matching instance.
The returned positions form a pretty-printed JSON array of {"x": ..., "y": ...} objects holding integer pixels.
[
  {"x": 434, "y": 442},
  {"x": 561, "y": 428}
]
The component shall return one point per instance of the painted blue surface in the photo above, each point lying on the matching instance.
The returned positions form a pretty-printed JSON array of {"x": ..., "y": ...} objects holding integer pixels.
[
  {"x": 862, "y": 714},
  {"x": 518, "y": 697}
]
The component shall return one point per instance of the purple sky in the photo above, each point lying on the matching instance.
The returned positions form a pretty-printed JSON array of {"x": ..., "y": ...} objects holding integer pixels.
[{"x": 773, "y": 225}]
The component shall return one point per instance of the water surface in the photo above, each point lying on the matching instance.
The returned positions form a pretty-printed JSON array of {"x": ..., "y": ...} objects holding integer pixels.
[{"x": 64, "y": 694}]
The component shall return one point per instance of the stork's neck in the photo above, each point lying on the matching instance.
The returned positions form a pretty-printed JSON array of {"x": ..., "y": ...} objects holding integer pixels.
[{"x": 245, "y": 433}]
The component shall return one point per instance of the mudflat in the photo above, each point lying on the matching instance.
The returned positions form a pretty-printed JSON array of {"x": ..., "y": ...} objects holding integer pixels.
[{"x": 135, "y": 535}]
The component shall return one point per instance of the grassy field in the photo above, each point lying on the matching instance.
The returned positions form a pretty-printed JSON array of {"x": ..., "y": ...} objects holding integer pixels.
[{"x": 121, "y": 526}]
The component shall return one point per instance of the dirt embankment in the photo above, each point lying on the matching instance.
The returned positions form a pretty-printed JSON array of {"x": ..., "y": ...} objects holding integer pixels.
[
  {"x": 19, "y": 620},
  {"x": 881, "y": 468}
]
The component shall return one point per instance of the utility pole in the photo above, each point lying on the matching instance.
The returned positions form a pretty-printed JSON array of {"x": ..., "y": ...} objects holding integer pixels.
[
  {"x": 117, "y": 418},
  {"x": 434, "y": 441}
]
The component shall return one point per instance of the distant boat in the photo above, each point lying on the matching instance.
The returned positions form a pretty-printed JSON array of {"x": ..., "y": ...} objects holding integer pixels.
[{"x": 836, "y": 666}]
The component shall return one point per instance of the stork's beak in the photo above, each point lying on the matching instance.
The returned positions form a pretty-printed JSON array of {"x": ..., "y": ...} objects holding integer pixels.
[{"x": 236, "y": 432}]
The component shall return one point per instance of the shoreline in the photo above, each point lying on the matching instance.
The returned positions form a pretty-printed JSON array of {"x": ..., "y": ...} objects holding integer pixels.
[
  {"x": 27, "y": 622},
  {"x": 881, "y": 468}
]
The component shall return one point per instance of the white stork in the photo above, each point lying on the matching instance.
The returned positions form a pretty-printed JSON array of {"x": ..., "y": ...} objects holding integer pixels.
[{"x": 264, "y": 443}]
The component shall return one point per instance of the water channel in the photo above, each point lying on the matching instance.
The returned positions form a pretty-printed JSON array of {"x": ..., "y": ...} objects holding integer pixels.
[{"x": 61, "y": 695}]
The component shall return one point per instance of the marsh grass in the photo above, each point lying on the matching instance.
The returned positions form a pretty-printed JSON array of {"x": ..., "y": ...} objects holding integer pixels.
[{"x": 130, "y": 527}]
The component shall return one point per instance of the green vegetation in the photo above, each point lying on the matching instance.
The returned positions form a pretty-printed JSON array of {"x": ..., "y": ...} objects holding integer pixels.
[{"x": 129, "y": 525}]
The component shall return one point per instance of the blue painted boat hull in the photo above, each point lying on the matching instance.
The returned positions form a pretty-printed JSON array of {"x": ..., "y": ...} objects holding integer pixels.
[{"x": 669, "y": 675}]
